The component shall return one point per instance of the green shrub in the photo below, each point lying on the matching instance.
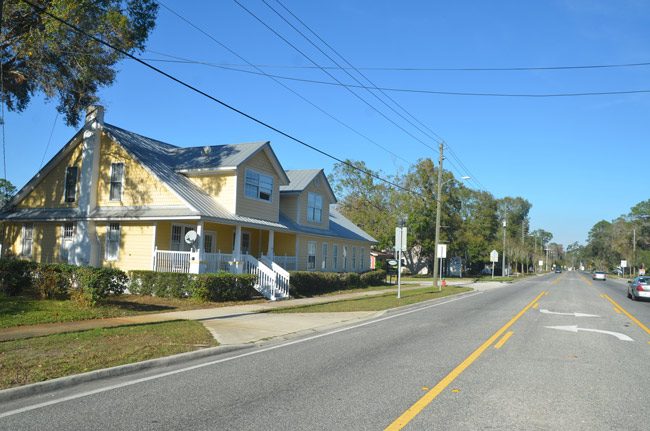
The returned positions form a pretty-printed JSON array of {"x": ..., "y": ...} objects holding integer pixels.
[
  {"x": 95, "y": 284},
  {"x": 53, "y": 280},
  {"x": 161, "y": 284},
  {"x": 223, "y": 286},
  {"x": 16, "y": 276},
  {"x": 373, "y": 278},
  {"x": 307, "y": 283}
]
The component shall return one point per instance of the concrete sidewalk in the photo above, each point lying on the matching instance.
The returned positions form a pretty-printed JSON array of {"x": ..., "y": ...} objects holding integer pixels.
[{"x": 236, "y": 324}]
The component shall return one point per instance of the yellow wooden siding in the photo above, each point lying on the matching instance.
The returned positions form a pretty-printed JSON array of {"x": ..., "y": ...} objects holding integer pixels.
[
  {"x": 302, "y": 257},
  {"x": 222, "y": 188},
  {"x": 317, "y": 186},
  {"x": 289, "y": 206},
  {"x": 48, "y": 193},
  {"x": 256, "y": 208},
  {"x": 140, "y": 186},
  {"x": 136, "y": 246},
  {"x": 11, "y": 239},
  {"x": 284, "y": 244}
]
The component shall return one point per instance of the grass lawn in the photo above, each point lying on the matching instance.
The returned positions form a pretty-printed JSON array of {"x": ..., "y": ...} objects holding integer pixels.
[
  {"x": 425, "y": 280},
  {"x": 375, "y": 303},
  {"x": 43, "y": 358},
  {"x": 17, "y": 311}
]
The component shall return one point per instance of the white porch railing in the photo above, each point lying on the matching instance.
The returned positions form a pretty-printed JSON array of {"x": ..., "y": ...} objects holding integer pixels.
[
  {"x": 216, "y": 262},
  {"x": 290, "y": 263},
  {"x": 269, "y": 283},
  {"x": 171, "y": 261}
]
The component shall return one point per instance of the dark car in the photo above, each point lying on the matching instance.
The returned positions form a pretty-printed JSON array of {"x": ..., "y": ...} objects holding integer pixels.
[{"x": 558, "y": 270}]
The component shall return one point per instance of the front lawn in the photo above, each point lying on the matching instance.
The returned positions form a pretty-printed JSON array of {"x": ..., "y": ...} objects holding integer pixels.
[
  {"x": 376, "y": 303},
  {"x": 43, "y": 358},
  {"x": 18, "y": 310}
]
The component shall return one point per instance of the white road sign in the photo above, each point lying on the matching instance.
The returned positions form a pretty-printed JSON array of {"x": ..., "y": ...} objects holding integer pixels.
[
  {"x": 624, "y": 264},
  {"x": 442, "y": 251},
  {"x": 400, "y": 238},
  {"x": 494, "y": 256}
]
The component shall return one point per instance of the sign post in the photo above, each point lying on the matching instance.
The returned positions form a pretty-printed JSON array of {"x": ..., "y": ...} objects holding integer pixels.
[
  {"x": 442, "y": 254},
  {"x": 400, "y": 246},
  {"x": 494, "y": 257}
]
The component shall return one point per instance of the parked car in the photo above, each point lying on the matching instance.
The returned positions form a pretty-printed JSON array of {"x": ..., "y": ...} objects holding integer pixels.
[
  {"x": 558, "y": 270},
  {"x": 599, "y": 275},
  {"x": 639, "y": 288}
]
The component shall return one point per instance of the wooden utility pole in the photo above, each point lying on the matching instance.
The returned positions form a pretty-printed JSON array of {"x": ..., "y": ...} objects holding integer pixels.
[{"x": 438, "y": 210}]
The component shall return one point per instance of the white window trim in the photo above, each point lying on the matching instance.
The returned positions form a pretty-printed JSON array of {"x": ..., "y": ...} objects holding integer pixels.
[
  {"x": 311, "y": 210},
  {"x": 257, "y": 198},
  {"x": 345, "y": 258},
  {"x": 171, "y": 233},
  {"x": 121, "y": 182},
  {"x": 66, "y": 242},
  {"x": 354, "y": 258},
  {"x": 309, "y": 243},
  {"x": 23, "y": 240},
  {"x": 108, "y": 240},
  {"x": 324, "y": 252},
  {"x": 335, "y": 257},
  {"x": 213, "y": 234}
]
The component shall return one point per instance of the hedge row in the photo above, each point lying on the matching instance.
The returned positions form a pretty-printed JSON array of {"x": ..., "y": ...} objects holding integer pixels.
[
  {"x": 304, "y": 283},
  {"x": 86, "y": 285},
  {"x": 221, "y": 286}
]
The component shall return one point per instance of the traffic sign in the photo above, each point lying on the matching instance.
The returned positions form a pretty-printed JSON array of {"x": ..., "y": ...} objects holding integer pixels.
[
  {"x": 442, "y": 251},
  {"x": 400, "y": 238},
  {"x": 494, "y": 256}
]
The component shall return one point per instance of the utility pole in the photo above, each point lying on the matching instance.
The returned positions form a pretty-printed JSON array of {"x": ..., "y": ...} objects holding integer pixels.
[
  {"x": 633, "y": 250},
  {"x": 438, "y": 210}
]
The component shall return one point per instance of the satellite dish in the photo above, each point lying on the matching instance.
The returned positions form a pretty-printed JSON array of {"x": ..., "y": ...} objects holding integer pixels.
[{"x": 191, "y": 236}]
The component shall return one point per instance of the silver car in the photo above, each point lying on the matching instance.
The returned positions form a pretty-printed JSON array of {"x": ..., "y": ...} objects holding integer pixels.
[
  {"x": 639, "y": 288},
  {"x": 599, "y": 275}
]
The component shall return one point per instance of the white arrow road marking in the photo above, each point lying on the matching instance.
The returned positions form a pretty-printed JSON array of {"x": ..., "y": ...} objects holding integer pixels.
[
  {"x": 545, "y": 311},
  {"x": 574, "y": 328}
]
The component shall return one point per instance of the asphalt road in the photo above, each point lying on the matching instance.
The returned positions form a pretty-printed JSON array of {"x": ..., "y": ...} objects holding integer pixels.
[{"x": 490, "y": 360}]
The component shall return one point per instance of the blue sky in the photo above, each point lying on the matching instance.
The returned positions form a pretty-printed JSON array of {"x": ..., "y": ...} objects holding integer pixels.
[{"x": 577, "y": 160}]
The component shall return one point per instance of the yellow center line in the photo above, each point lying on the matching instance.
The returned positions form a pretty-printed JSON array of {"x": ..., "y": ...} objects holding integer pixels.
[
  {"x": 632, "y": 318},
  {"x": 536, "y": 305},
  {"x": 503, "y": 340},
  {"x": 617, "y": 310},
  {"x": 427, "y": 398}
]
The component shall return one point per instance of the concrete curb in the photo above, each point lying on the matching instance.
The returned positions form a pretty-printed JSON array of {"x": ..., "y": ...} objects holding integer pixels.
[{"x": 120, "y": 370}]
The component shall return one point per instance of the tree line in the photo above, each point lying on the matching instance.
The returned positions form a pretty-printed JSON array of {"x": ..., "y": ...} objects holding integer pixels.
[
  {"x": 471, "y": 222},
  {"x": 609, "y": 242}
]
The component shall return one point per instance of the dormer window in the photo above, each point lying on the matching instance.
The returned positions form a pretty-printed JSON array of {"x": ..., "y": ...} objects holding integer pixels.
[
  {"x": 314, "y": 207},
  {"x": 259, "y": 186},
  {"x": 117, "y": 181},
  {"x": 71, "y": 175}
]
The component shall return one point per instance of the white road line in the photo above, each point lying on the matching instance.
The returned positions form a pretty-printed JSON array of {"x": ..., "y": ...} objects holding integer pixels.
[{"x": 219, "y": 361}]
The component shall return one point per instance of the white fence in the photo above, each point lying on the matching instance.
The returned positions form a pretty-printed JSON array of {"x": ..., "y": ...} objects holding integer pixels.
[
  {"x": 216, "y": 262},
  {"x": 171, "y": 261},
  {"x": 290, "y": 263}
]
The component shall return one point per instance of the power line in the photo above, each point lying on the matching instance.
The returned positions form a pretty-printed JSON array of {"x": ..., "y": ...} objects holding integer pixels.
[
  {"x": 326, "y": 72},
  {"x": 417, "y": 90},
  {"x": 49, "y": 139},
  {"x": 224, "y": 46},
  {"x": 436, "y": 137},
  {"x": 215, "y": 99}
]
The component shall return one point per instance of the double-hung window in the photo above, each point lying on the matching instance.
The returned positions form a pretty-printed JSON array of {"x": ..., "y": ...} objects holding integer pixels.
[
  {"x": 28, "y": 240},
  {"x": 178, "y": 237},
  {"x": 335, "y": 257},
  {"x": 117, "y": 181},
  {"x": 345, "y": 258},
  {"x": 258, "y": 186},
  {"x": 354, "y": 258},
  {"x": 311, "y": 255},
  {"x": 324, "y": 263},
  {"x": 314, "y": 207},
  {"x": 71, "y": 175},
  {"x": 113, "y": 241},
  {"x": 362, "y": 259}
]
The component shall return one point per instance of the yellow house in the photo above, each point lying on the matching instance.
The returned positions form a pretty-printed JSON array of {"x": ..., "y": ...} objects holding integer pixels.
[{"x": 111, "y": 197}]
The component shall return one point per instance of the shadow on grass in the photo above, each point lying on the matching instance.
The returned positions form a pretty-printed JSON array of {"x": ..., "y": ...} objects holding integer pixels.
[{"x": 137, "y": 306}]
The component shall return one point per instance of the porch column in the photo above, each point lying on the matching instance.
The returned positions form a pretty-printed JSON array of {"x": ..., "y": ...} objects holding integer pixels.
[
  {"x": 197, "y": 257},
  {"x": 269, "y": 252},
  {"x": 237, "y": 249}
]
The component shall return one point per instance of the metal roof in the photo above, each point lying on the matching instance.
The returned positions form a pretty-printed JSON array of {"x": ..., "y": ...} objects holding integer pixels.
[
  {"x": 40, "y": 214},
  {"x": 339, "y": 227},
  {"x": 299, "y": 179}
]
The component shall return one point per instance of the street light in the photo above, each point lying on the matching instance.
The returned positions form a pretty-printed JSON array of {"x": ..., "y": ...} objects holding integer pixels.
[{"x": 438, "y": 209}]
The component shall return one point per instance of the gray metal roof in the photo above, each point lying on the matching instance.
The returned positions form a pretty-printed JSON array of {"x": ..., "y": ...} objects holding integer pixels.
[
  {"x": 152, "y": 212},
  {"x": 299, "y": 179},
  {"x": 40, "y": 214},
  {"x": 339, "y": 227}
]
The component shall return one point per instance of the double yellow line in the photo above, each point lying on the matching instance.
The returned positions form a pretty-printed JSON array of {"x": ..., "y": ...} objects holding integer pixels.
[{"x": 427, "y": 398}]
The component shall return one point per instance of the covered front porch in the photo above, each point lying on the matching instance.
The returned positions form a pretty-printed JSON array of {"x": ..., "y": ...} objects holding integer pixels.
[{"x": 218, "y": 247}]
